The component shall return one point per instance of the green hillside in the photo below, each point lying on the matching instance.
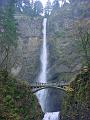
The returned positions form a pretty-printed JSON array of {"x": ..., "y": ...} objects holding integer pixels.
[{"x": 17, "y": 101}]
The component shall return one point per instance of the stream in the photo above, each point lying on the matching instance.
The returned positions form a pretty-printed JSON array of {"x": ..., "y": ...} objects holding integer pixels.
[{"x": 42, "y": 94}]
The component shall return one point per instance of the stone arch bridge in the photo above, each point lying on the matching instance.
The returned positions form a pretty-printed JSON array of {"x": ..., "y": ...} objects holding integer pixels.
[{"x": 61, "y": 86}]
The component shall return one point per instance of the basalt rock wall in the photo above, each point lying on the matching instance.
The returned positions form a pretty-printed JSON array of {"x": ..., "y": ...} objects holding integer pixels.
[
  {"x": 65, "y": 52},
  {"x": 29, "y": 43}
]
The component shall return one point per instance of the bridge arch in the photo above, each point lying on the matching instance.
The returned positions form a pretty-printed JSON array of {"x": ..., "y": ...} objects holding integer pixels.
[{"x": 38, "y": 89}]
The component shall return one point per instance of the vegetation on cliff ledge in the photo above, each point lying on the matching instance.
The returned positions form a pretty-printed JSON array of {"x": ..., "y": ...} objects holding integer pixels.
[
  {"x": 17, "y": 101},
  {"x": 76, "y": 105}
]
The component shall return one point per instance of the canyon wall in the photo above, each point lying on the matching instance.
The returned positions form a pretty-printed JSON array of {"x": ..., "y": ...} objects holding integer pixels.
[
  {"x": 66, "y": 54},
  {"x": 29, "y": 44}
]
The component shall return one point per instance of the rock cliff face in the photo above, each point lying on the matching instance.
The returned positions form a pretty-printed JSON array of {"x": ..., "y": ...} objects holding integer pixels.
[
  {"x": 65, "y": 56},
  {"x": 64, "y": 46},
  {"x": 28, "y": 51}
]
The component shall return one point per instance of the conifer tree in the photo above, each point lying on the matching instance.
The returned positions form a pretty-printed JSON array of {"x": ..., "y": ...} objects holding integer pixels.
[
  {"x": 48, "y": 8},
  {"x": 55, "y": 4},
  {"x": 8, "y": 34},
  {"x": 38, "y": 8}
]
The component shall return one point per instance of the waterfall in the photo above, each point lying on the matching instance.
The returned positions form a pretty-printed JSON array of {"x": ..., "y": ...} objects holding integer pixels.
[
  {"x": 43, "y": 74},
  {"x": 41, "y": 95}
]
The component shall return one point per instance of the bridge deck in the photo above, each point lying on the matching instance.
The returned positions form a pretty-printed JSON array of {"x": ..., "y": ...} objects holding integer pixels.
[{"x": 47, "y": 84}]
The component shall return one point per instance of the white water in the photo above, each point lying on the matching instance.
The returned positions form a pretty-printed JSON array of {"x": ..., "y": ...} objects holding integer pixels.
[
  {"x": 51, "y": 116},
  {"x": 43, "y": 78},
  {"x": 43, "y": 74}
]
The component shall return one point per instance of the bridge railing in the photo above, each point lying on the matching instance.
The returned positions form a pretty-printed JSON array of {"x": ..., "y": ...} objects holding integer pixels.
[{"x": 48, "y": 84}]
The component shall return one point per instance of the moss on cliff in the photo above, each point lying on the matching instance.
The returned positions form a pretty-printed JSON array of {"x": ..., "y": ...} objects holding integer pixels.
[
  {"x": 76, "y": 105},
  {"x": 17, "y": 101}
]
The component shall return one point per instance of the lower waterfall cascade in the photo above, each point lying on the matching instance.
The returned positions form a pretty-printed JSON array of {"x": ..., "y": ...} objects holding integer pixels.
[{"x": 51, "y": 116}]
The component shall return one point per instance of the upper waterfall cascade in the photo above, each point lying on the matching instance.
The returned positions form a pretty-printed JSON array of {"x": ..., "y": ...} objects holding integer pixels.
[{"x": 43, "y": 59}]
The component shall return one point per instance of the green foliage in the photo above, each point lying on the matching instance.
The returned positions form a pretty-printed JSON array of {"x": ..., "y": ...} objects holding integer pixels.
[
  {"x": 30, "y": 8},
  {"x": 17, "y": 100},
  {"x": 84, "y": 37},
  {"x": 38, "y": 8},
  {"x": 76, "y": 105},
  {"x": 60, "y": 34},
  {"x": 48, "y": 8},
  {"x": 55, "y": 4},
  {"x": 8, "y": 35}
]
